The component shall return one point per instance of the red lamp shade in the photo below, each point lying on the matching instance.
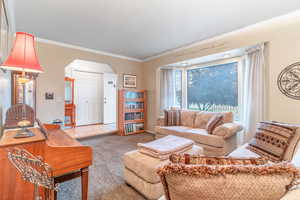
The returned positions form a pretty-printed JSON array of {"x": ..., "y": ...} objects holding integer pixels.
[{"x": 23, "y": 56}]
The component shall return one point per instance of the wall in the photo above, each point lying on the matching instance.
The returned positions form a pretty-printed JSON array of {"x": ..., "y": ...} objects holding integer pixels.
[
  {"x": 283, "y": 37},
  {"x": 54, "y": 59},
  {"x": 5, "y": 91}
]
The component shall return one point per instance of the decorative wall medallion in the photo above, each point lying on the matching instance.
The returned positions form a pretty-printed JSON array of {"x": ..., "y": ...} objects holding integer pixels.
[{"x": 289, "y": 81}]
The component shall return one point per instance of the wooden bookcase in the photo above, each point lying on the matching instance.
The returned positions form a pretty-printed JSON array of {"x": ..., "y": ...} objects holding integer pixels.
[{"x": 132, "y": 111}]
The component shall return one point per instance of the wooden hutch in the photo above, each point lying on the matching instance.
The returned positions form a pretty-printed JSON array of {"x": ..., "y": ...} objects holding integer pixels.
[{"x": 132, "y": 111}]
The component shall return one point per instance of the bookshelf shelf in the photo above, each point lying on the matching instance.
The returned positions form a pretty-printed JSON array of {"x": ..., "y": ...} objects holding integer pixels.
[
  {"x": 134, "y": 100},
  {"x": 132, "y": 111},
  {"x": 134, "y": 121}
]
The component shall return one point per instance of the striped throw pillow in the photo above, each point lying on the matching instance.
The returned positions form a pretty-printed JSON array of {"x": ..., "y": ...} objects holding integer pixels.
[
  {"x": 271, "y": 140},
  {"x": 172, "y": 117},
  {"x": 214, "y": 122}
]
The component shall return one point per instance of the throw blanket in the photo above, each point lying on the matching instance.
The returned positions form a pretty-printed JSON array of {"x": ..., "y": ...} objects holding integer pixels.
[{"x": 164, "y": 147}]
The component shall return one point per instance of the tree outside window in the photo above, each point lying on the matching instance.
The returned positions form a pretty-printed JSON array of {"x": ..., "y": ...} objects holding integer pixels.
[{"x": 213, "y": 88}]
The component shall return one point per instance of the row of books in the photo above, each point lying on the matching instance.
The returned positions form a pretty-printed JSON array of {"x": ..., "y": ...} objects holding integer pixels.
[
  {"x": 134, "y": 95},
  {"x": 134, "y": 105},
  {"x": 134, "y": 116},
  {"x": 130, "y": 128}
]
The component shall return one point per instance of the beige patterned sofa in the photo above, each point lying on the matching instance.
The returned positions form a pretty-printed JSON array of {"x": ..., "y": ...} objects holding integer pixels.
[
  {"x": 292, "y": 154},
  {"x": 193, "y": 126}
]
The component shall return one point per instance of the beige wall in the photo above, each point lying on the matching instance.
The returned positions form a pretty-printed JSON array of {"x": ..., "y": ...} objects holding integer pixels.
[
  {"x": 283, "y": 37},
  {"x": 53, "y": 59}
]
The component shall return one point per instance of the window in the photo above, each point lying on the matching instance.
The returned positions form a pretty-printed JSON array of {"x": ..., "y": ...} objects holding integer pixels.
[
  {"x": 178, "y": 88},
  {"x": 213, "y": 88}
]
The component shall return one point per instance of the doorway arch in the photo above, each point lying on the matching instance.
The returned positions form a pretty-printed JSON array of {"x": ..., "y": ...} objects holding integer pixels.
[{"x": 95, "y": 92}]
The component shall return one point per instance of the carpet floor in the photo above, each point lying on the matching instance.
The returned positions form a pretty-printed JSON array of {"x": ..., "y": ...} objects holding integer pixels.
[{"x": 106, "y": 174}]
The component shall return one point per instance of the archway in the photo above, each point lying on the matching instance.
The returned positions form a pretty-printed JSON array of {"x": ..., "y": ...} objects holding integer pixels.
[{"x": 94, "y": 93}]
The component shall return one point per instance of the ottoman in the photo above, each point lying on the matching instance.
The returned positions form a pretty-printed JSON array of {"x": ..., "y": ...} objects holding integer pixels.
[{"x": 140, "y": 172}]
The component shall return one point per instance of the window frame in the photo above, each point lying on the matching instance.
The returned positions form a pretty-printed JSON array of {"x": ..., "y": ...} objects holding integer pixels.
[{"x": 239, "y": 60}]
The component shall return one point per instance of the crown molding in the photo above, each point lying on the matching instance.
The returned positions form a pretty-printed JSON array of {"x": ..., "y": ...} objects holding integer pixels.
[
  {"x": 86, "y": 49},
  {"x": 274, "y": 20}
]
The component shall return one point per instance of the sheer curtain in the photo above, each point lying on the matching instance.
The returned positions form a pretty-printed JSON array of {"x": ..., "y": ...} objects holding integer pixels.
[
  {"x": 254, "y": 106},
  {"x": 167, "y": 89}
]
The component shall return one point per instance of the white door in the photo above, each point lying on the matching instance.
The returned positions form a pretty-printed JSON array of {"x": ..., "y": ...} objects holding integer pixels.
[
  {"x": 110, "y": 98},
  {"x": 88, "y": 97}
]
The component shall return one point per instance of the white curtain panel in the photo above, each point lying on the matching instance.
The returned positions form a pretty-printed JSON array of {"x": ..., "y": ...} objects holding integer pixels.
[
  {"x": 167, "y": 89},
  {"x": 254, "y": 106}
]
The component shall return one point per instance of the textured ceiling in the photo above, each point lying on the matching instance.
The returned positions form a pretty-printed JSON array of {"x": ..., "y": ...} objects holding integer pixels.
[{"x": 141, "y": 28}]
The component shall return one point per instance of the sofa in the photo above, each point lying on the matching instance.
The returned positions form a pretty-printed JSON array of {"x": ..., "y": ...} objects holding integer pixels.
[
  {"x": 244, "y": 152},
  {"x": 292, "y": 154},
  {"x": 192, "y": 125}
]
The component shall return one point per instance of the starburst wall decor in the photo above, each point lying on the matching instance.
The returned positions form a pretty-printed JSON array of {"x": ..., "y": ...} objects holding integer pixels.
[{"x": 289, "y": 81}]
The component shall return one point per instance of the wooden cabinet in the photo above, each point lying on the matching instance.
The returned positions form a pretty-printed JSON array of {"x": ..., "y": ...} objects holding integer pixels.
[
  {"x": 132, "y": 111},
  {"x": 70, "y": 108}
]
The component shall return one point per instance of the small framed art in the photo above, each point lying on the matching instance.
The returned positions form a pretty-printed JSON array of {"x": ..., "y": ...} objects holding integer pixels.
[{"x": 129, "y": 81}]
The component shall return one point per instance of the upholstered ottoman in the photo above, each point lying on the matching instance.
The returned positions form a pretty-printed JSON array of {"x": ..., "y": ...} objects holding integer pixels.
[{"x": 140, "y": 172}]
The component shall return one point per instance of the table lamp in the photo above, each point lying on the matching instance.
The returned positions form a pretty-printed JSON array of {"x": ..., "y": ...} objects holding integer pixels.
[{"x": 23, "y": 59}]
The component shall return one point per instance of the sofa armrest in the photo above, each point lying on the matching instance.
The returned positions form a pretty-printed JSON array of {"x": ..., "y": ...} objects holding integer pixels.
[
  {"x": 160, "y": 121},
  {"x": 227, "y": 130}
]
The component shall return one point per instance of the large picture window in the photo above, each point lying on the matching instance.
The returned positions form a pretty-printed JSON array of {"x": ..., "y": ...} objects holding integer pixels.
[{"x": 213, "y": 88}]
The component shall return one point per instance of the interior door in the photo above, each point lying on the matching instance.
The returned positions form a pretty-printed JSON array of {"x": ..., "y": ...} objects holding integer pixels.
[
  {"x": 89, "y": 98},
  {"x": 110, "y": 98}
]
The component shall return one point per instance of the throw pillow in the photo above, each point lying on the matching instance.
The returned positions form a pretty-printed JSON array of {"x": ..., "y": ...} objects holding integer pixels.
[
  {"x": 172, "y": 117},
  {"x": 271, "y": 140},
  {"x": 214, "y": 122},
  {"x": 189, "y": 159},
  {"x": 228, "y": 182}
]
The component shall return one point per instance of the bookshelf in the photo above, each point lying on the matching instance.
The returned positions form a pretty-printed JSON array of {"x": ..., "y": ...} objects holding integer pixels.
[{"x": 132, "y": 111}]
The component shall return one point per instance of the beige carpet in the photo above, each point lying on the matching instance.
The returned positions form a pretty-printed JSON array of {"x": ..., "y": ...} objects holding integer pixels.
[{"x": 105, "y": 178}]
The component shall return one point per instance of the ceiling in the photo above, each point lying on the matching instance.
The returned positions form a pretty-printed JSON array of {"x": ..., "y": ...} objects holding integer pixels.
[{"x": 141, "y": 28}]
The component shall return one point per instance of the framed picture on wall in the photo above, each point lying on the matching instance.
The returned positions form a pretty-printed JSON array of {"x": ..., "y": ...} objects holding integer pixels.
[{"x": 129, "y": 81}]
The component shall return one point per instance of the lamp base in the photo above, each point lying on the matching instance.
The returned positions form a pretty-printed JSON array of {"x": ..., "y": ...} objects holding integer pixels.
[{"x": 24, "y": 133}]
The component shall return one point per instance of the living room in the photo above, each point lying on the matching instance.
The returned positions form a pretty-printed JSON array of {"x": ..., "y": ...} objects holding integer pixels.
[{"x": 217, "y": 89}]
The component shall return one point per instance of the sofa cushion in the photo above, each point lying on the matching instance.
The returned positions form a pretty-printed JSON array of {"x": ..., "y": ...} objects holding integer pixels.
[
  {"x": 227, "y": 182},
  {"x": 190, "y": 159},
  {"x": 226, "y": 130},
  {"x": 272, "y": 140},
  {"x": 198, "y": 135},
  {"x": 188, "y": 118},
  {"x": 214, "y": 122},
  {"x": 243, "y": 152},
  {"x": 202, "y": 118}
]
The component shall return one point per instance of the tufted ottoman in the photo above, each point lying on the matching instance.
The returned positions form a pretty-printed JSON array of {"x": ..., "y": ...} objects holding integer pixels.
[{"x": 140, "y": 172}]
